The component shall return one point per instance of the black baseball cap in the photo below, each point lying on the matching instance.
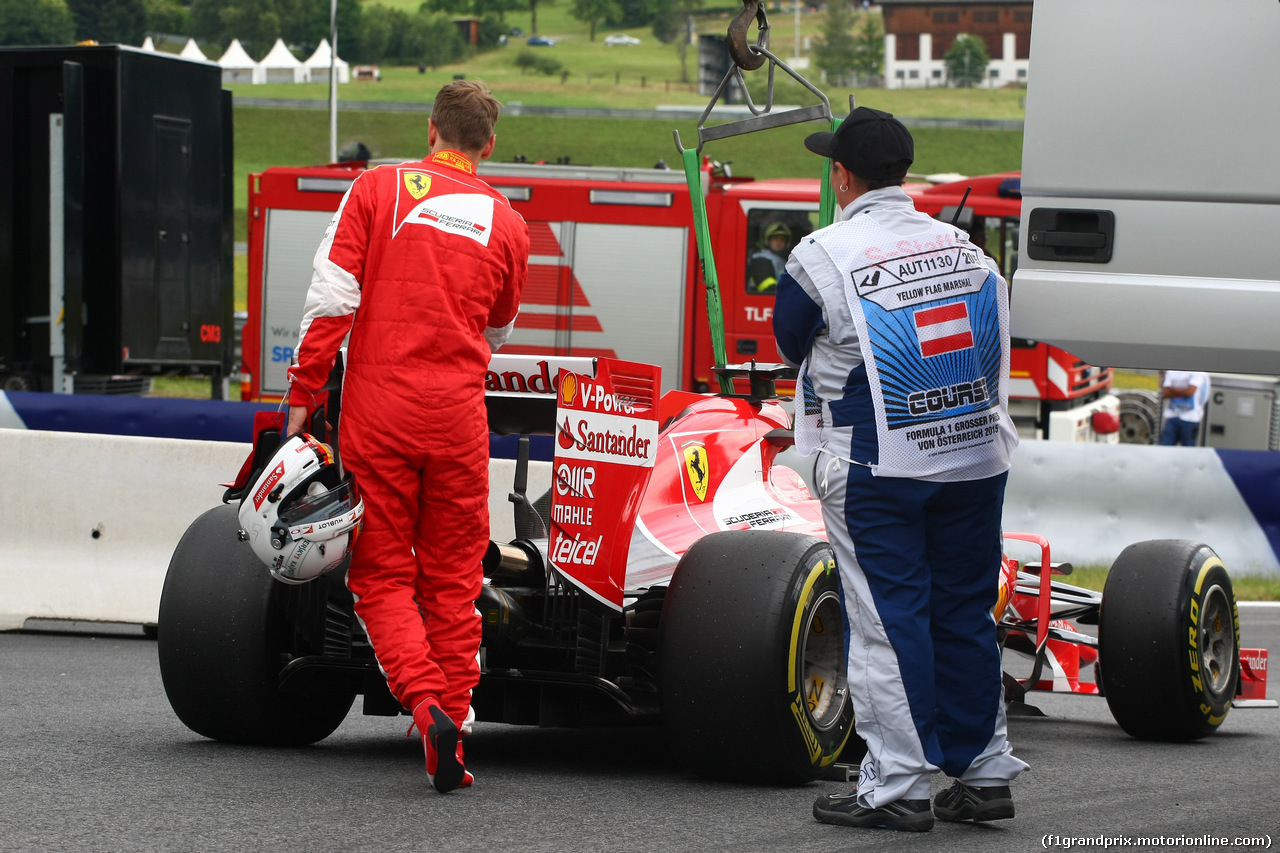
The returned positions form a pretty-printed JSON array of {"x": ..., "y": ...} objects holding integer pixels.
[{"x": 870, "y": 143}]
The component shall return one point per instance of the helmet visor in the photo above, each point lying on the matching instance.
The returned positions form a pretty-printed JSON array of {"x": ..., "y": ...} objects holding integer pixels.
[{"x": 326, "y": 514}]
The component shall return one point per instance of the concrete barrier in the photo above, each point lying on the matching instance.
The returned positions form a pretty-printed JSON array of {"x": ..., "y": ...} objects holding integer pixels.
[
  {"x": 91, "y": 520},
  {"x": 1093, "y": 500}
]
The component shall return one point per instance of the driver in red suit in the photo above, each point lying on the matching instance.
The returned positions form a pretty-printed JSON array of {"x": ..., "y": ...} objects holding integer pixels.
[{"x": 423, "y": 264}]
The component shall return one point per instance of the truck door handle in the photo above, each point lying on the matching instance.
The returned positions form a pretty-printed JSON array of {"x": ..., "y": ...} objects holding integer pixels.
[
  {"x": 747, "y": 346},
  {"x": 1069, "y": 238},
  {"x": 1064, "y": 234}
]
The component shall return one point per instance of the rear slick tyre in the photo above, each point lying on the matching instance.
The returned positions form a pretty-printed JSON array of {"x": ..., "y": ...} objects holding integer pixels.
[
  {"x": 752, "y": 659},
  {"x": 1169, "y": 640},
  {"x": 223, "y": 636}
]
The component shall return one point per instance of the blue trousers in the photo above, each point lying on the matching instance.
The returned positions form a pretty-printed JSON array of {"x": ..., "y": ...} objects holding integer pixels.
[
  {"x": 919, "y": 567},
  {"x": 1177, "y": 431}
]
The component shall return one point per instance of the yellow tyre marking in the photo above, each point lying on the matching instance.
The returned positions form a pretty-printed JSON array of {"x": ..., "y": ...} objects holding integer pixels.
[
  {"x": 806, "y": 591},
  {"x": 1194, "y": 639},
  {"x": 806, "y": 730}
]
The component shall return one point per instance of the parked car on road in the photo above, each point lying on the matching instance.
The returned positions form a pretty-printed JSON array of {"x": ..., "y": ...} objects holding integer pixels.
[
  {"x": 620, "y": 38},
  {"x": 541, "y": 41}
]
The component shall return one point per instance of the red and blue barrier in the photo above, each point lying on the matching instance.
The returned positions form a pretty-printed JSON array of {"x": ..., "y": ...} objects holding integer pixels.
[
  {"x": 159, "y": 417},
  {"x": 147, "y": 417},
  {"x": 1256, "y": 475}
]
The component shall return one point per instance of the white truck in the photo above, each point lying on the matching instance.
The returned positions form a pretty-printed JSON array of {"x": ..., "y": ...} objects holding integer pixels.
[{"x": 1151, "y": 184}]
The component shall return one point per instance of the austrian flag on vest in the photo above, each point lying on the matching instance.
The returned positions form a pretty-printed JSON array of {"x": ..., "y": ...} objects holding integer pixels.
[{"x": 944, "y": 329}]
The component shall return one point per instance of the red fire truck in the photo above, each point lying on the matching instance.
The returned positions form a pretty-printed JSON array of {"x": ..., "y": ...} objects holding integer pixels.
[{"x": 614, "y": 272}]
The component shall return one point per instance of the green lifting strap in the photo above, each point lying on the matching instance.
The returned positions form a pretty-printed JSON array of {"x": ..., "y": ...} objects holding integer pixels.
[
  {"x": 707, "y": 260},
  {"x": 827, "y": 198}
]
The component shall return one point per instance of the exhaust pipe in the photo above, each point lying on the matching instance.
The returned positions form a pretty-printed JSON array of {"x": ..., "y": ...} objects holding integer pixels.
[{"x": 518, "y": 562}]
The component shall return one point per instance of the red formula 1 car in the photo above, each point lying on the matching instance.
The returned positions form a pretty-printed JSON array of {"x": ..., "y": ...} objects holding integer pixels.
[{"x": 675, "y": 574}]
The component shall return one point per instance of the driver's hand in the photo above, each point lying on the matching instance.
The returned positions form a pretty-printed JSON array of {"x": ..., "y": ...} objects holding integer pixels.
[{"x": 297, "y": 421}]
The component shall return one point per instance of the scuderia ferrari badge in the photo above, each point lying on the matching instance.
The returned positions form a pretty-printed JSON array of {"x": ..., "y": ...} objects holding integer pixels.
[
  {"x": 697, "y": 467},
  {"x": 418, "y": 184}
]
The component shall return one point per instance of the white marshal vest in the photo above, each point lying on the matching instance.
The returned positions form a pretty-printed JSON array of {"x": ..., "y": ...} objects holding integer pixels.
[{"x": 932, "y": 321}]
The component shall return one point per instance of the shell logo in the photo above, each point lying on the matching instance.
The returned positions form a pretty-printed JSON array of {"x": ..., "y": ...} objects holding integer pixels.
[{"x": 568, "y": 389}]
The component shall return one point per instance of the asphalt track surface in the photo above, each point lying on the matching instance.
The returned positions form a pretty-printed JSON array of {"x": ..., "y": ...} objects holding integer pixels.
[{"x": 93, "y": 759}]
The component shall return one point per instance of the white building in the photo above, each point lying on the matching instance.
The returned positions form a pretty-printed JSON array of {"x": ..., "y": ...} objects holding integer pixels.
[{"x": 918, "y": 35}]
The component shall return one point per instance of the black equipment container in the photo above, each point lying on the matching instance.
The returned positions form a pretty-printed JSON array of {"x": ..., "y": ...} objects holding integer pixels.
[{"x": 115, "y": 216}]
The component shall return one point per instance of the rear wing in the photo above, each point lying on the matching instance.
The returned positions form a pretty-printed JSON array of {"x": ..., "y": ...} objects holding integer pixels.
[
  {"x": 606, "y": 444},
  {"x": 520, "y": 391}
]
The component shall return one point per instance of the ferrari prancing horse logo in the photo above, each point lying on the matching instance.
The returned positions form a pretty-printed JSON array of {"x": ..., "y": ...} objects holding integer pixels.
[
  {"x": 417, "y": 183},
  {"x": 695, "y": 465}
]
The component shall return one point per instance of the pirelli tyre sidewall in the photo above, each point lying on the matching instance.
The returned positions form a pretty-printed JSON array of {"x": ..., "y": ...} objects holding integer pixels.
[
  {"x": 226, "y": 629},
  {"x": 1169, "y": 640},
  {"x": 752, "y": 659}
]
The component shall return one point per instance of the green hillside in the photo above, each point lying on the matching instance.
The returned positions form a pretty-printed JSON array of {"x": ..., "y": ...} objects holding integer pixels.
[{"x": 266, "y": 138}]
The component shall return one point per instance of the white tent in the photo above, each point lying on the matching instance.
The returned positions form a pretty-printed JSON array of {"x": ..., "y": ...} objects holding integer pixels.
[
  {"x": 192, "y": 51},
  {"x": 281, "y": 66},
  {"x": 149, "y": 45},
  {"x": 239, "y": 67},
  {"x": 318, "y": 65}
]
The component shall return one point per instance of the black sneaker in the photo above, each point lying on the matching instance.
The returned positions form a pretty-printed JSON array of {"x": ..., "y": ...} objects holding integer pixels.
[
  {"x": 902, "y": 815},
  {"x": 964, "y": 802}
]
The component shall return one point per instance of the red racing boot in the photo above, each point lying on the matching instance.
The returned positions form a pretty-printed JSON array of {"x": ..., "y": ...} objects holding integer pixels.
[{"x": 443, "y": 747}]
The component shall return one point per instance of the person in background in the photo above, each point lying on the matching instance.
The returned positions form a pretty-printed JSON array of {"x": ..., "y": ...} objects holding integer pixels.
[
  {"x": 1185, "y": 395},
  {"x": 423, "y": 265},
  {"x": 900, "y": 329},
  {"x": 767, "y": 264}
]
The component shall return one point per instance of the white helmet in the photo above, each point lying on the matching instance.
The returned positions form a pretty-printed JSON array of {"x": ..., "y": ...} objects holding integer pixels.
[{"x": 300, "y": 517}]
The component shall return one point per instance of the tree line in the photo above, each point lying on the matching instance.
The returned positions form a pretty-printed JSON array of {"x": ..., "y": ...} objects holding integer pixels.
[
  {"x": 368, "y": 32},
  {"x": 850, "y": 49}
]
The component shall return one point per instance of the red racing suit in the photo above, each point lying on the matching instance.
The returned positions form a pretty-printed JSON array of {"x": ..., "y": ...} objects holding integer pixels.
[{"x": 424, "y": 265}]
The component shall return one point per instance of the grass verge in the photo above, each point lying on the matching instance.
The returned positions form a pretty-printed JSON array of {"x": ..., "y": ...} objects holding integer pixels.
[{"x": 1247, "y": 587}]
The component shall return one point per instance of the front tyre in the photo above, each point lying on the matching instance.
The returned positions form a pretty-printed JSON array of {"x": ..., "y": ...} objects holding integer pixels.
[
  {"x": 752, "y": 658},
  {"x": 1169, "y": 640},
  {"x": 226, "y": 628}
]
